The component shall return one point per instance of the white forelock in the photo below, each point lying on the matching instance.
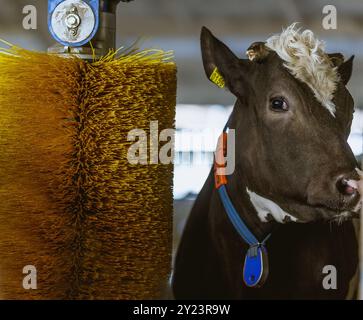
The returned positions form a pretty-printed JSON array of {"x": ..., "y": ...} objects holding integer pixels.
[{"x": 306, "y": 60}]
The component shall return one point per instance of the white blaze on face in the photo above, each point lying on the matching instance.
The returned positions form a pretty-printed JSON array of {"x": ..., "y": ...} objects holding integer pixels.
[
  {"x": 358, "y": 185},
  {"x": 264, "y": 207}
]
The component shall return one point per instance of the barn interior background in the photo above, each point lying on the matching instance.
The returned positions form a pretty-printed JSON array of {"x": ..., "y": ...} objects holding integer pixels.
[{"x": 203, "y": 108}]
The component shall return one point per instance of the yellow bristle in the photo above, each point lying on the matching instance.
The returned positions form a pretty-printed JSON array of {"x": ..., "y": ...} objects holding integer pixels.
[{"x": 94, "y": 226}]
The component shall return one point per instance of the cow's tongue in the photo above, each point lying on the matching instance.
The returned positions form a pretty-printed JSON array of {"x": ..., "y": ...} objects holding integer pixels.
[{"x": 358, "y": 185}]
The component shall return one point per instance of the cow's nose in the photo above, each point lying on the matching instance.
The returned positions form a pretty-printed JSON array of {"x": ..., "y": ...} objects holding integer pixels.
[{"x": 345, "y": 187}]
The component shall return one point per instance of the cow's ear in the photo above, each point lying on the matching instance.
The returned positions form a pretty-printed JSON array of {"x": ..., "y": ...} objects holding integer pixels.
[
  {"x": 345, "y": 70},
  {"x": 221, "y": 65}
]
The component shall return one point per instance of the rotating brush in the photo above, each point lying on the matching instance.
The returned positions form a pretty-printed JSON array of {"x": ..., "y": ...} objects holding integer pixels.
[{"x": 92, "y": 224}]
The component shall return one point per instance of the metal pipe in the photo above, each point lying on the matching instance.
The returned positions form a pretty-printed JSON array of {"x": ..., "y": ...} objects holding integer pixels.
[{"x": 105, "y": 38}]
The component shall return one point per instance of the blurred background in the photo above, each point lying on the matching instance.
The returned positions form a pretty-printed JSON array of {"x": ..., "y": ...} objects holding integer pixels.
[{"x": 203, "y": 108}]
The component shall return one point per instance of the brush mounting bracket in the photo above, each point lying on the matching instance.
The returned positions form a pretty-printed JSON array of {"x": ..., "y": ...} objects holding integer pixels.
[{"x": 73, "y": 23}]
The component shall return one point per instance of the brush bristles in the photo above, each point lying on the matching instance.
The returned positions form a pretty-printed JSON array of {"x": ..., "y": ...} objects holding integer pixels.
[{"x": 94, "y": 226}]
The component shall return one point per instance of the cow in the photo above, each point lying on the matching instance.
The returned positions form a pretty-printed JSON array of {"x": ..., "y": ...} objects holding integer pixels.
[{"x": 295, "y": 177}]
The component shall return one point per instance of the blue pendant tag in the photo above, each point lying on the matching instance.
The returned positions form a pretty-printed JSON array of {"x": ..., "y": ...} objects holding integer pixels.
[{"x": 255, "y": 270}]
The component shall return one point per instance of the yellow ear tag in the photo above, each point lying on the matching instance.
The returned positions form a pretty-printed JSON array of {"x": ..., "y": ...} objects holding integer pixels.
[{"x": 217, "y": 78}]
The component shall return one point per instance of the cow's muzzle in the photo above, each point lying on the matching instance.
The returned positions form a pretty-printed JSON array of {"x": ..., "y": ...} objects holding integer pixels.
[
  {"x": 355, "y": 188},
  {"x": 344, "y": 194}
]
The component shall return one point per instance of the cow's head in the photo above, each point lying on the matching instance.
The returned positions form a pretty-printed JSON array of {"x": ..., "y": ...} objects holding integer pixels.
[{"x": 292, "y": 120}]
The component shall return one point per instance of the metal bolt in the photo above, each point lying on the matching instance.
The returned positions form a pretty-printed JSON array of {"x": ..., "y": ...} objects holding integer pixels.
[{"x": 73, "y": 20}]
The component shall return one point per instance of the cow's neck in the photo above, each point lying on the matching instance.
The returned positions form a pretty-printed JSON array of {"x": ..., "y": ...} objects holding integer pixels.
[{"x": 237, "y": 191}]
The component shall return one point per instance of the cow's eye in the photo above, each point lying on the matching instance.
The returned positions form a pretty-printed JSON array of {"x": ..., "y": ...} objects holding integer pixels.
[{"x": 279, "y": 104}]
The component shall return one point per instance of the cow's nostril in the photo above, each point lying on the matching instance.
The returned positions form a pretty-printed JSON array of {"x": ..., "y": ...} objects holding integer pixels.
[{"x": 345, "y": 188}]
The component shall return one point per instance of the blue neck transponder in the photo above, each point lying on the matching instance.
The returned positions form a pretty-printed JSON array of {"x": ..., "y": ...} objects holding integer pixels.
[{"x": 255, "y": 270}]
